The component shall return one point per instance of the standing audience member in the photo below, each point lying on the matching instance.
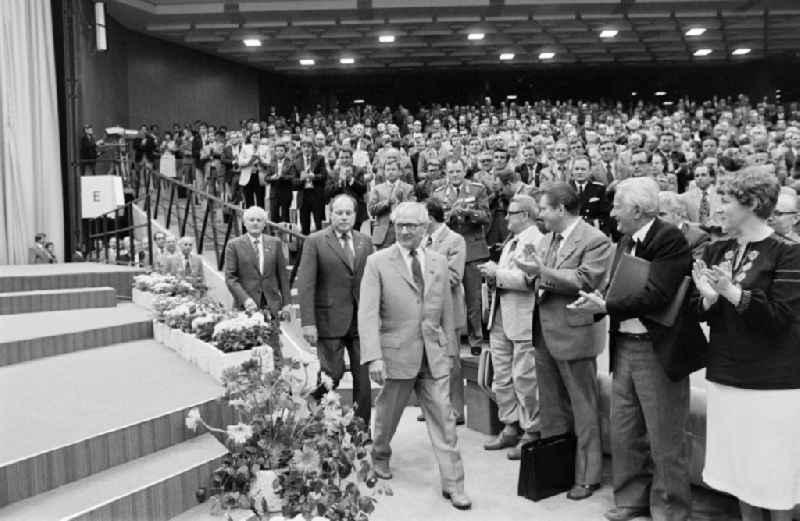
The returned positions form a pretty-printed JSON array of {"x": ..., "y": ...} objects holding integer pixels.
[
  {"x": 37, "y": 253},
  {"x": 405, "y": 319},
  {"x": 251, "y": 182},
  {"x": 510, "y": 334},
  {"x": 748, "y": 290},
  {"x": 50, "y": 249},
  {"x": 281, "y": 177},
  {"x": 383, "y": 199},
  {"x": 187, "y": 263},
  {"x": 88, "y": 151},
  {"x": 650, "y": 364},
  {"x": 160, "y": 255},
  {"x": 702, "y": 197},
  {"x": 255, "y": 267},
  {"x": 349, "y": 179},
  {"x": 672, "y": 208},
  {"x": 328, "y": 284},
  {"x": 573, "y": 257},
  {"x": 311, "y": 176}
]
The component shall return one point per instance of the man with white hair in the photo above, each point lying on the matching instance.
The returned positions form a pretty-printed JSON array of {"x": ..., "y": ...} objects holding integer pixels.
[
  {"x": 187, "y": 263},
  {"x": 650, "y": 363},
  {"x": 405, "y": 323},
  {"x": 786, "y": 215}
]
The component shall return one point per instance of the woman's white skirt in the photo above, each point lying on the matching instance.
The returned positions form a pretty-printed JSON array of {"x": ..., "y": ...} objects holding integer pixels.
[{"x": 753, "y": 445}]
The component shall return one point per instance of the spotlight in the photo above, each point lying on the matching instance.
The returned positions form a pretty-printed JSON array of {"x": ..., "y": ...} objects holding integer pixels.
[
  {"x": 252, "y": 42},
  {"x": 100, "y": 26},
  {"x": 660, "y": 93},
  {"x": 511, "y": 97},
  {"x": 307, "y": 62},
  {"x": 608, "y": 33},
  {"x": 475, "y": 36},
  {"x": 546, "y": 55},
  {"x": 634, "y": 93},
  {"x": 696, "y": 31},
  {"x": 386, "y": 38},
  {"x": 347, "y": 61},
  {"x": 507, "y": 56},
  {"x": 358, "y": 101}
]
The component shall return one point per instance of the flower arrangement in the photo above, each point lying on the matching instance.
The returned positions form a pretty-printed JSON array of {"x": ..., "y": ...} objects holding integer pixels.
[
  {"x": 307, "y": 460},
  {"x": 243, "y": 331},
  {"x": 162, "y": 284},
  {"x": 180, "y": 312}
]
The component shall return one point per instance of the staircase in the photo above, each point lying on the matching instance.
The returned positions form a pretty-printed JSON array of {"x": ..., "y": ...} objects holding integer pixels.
[{"x": 92, "y": 407}]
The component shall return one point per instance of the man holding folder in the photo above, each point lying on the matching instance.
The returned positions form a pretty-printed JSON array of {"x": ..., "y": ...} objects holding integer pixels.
[{"x": 650, "y": 363}]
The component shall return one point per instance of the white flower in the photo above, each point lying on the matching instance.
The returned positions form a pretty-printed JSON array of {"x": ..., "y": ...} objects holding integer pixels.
[
  {"x": 240, "y": 433},
  {"x": 192, "y": 419},
  {"x": 331, "y": 399},
  {"x": 326, "y": 380}
]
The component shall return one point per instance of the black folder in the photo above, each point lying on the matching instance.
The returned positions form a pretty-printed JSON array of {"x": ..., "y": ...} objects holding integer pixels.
[{"x": 631, "y": 277}]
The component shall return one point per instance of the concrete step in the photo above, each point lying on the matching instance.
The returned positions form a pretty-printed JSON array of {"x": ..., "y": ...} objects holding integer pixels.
[
  {"x": 33, "y": 277},
  {"x": 156, "y": 487},
  {"x": 56, "y": 300},
  {"x": 69, "y": 417},
  {"x": 202, "y": 512},
  {"x": 30, "y": 336}
]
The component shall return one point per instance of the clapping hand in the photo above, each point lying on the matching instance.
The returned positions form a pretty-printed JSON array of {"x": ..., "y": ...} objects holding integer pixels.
[
  {"x": 702, "y": 283},
  {"x": 719, "y": 278},
  {"x": 529, "y": 262},
  {"x": 589, "y": 303}
]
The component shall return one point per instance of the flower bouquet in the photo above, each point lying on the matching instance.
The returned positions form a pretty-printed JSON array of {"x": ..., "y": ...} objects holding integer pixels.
[
  {"x": 161, "y": 284},
  {"x": 243, "y": 330},
  {"x": 289, "y": 454}
]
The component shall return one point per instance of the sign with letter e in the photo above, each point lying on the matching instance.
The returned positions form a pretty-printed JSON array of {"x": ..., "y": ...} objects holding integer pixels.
[{"x": 100, "y": 194}]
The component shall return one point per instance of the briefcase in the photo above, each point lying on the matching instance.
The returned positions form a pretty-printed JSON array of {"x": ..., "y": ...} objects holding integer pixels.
[{"x": 547, "y": 467}]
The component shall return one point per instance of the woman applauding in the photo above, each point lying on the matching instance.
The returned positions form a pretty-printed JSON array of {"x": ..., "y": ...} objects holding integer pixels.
[{"x": 748, "y": 290}]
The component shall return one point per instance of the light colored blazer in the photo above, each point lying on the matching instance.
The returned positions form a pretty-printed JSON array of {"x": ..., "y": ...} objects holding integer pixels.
[
  {"x": 246, "y": 154},
  {"x": 693, "y": 196},
  {"x": 516, "y": 299},
  {"x": 176, "y": 265},
  {"x": 582, "y": 263},
  {"x": 391, "y": 194},
  {"x": 38, "y": 255},
  {"x": 453, "y": 246},
  {"x": 395, "y": 322}
]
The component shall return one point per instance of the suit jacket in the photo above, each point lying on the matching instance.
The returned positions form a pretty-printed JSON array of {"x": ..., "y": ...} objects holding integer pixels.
[
  {"x": 680, "y": 349},
  {"x": 328, "y": 286},
  {"x": 317, "y": 167},
  {"x": 38, "y": 255},
  {"x": 356, "y": 188},
  {"x": 697, "y": 239},
  {"x": 511, "y": 295},
  {"x": 454, "y": 248},
  {"x": 619, "y": 171},
  {"x": 471, "y": 222},
  {"x": 244, "y": 159},
  {"x": 243, "y": 278},
  {"x": 582, "y": 263},
  {"x": 281, "y": 186},
  {"x": 396, "y": 323},
  {"x": 382, "y": 200},
  {"x": 531, "y": 176},
  {"x": 694, "y": 196},
  {"x": 594, "y": 206},
  {"x": 176, "y": 265}
]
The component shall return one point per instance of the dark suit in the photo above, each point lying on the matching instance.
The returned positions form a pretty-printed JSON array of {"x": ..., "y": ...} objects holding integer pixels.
[
  {"x": 281, "y": 183},
  {"x": 269, "y": 289},
  {"x": 356, "y": 187},
  {"x": 311, "y": 200},
  {"x": 696, "y": 237},
  {"x": 328, "y": 287},
  {"x": 530, "y": 176},
  {"x": 650, "y": 390},
  {"x": 675, "y": 162},
  {"x": 594, "y": 207}
]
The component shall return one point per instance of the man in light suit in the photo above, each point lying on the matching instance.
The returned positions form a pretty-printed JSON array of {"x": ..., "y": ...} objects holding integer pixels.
[
  {"x": 405, "y": 322},
  {"x": 160, "y": 254},
  {"x": 383, "y": 199},
  {"x": 442, "y": 239},
  {"x": 187, "y": 264},
  {"x": 328, "y": 283},
  {"x": 573, "y": 257},
  {"x": 510, "y": 336},
  {"x": 37, "y": 254},
  {"x": 255, "y": 267}
]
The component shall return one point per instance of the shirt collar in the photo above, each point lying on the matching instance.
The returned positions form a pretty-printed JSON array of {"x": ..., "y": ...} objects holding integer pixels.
[
  {"x": 642, "y": 232},
  {"x": 406, "y": 253},
  {"x": 568, "y": 230}
]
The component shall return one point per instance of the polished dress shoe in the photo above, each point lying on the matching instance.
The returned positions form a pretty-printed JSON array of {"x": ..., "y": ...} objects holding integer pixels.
[
  {"x": 502, "y": 441},
  {"x": 381, "y": 469},
  {"x": 626, "y": 513},
  {"x": 458, "y": 499},
  {"x": 420, "y": 417},
  {"x": 475, "y": 350},
  {"x": 516, "y": 452},
  {"x": 579, "y": 492},
  {"x": 460, "y": 420}
]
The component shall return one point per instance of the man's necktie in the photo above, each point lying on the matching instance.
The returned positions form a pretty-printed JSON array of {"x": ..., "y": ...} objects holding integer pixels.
[
  {"x": 705, "y": 207},
  {"x": 260, "y": 254},
  {"x": 429, "y": 242},
  {"x": 609, "y": 172},
  {"x": 550, "y": 256},
  {"x": 348, "y": 253},
  {"x": 187, "y": 267},
  {"x": 416, "y": 271}
]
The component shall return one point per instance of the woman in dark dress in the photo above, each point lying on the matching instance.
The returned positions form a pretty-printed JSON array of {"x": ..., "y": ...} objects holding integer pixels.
[{"x": 748, "y": 290}]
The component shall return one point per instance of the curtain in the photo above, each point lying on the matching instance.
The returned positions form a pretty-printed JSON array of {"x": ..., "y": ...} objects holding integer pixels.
[{"x": 30, "y": 163}]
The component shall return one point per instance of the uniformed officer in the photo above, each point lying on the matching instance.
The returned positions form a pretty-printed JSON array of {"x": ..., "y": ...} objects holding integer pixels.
[
  {"x": 594, "y": 205},
  {"x": 467, "y": 205}
]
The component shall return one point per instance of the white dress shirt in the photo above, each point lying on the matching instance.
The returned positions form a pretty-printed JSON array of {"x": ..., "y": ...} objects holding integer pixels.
[
  {"x": 634, "y": 325},
  {"x": 258, "y": 244},
  {"x": 567, "y": 232}
]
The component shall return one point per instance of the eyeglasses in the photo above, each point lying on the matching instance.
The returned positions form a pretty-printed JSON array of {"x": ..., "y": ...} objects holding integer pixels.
[
  {"x": 515, "y": 212},
  {"x": 410, "y": 226}
]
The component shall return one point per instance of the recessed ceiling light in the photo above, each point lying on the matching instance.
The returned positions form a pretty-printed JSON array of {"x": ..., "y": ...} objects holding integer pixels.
[
  {"x": 741, "y": 51},
  {"x": 634, "y": 93},
  {"x": 506, "y": 56},
  {"x": 252, "y": 42},
  {"x": 347, "y": 61},
  {"x": 695, "y": 31},
  {"x": 386, "y": 38},
  {"x": 511, "y": 97},
  {"x": 358, "y": 101},
  {"x": 608, "y": 33},
  {"x": 475, "y": 36},
  {"x": 660, "y": 93},
  {"x": 306, "y": 62},
  {"x": 702, "y": 52},
  {"x": 546, "y": 55},
  {"x": 667, "y": 103}
]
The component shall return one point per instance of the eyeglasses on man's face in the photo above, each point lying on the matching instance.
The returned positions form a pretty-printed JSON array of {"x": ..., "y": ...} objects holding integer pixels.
[{"x": 409, "y": 226}]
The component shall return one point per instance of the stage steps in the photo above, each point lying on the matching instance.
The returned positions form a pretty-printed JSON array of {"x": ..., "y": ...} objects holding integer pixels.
[
  {"x": 33, "y": 277},
  {"x": 15, "y": 302},
  {"x": 29, "y": 336}
]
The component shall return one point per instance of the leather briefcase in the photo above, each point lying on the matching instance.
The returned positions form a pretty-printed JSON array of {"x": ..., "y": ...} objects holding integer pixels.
[{"x": 547, "y": 467}]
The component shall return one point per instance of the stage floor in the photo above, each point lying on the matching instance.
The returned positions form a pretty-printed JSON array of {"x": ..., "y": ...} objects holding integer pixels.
[{"x": 491, "y": 482}]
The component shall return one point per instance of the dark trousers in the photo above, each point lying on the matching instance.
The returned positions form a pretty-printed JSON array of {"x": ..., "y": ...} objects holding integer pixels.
[
  {"x": 649, "y": 459},
  {"x": 312, "y": 204},
  {"x": 331, "y": 361},
  {"x": 568, "y": 402},
  {"x": 472, "y": 297},
  {"x": 254, "y": 192},
  {"x": 280, "y": 201}
]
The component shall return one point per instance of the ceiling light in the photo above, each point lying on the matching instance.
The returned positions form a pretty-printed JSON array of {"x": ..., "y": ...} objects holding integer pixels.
[
  {"x": 386, "y": 38},
  {"x": 546, "y": 55},
  {"x": 667, "y": 103},
  {"x": 511, "y": 97},
  {"x": 306, "y": 62},
  {"x": 252, "y": 42},
  {"x": 608, "y": 33},
  {"x": 702, "y": 52},
  {"x": 358, "y": 101},
  {"x": 347, "y": 61},
  {"x": 475, "y": 36},
  {"x": 506, "y": 56},
  {"x": 660, "y": 93},
  {"x": 741, "y": 51},
  {"x": 695, "y": 31},
  {"x": 634, "y": 93}
]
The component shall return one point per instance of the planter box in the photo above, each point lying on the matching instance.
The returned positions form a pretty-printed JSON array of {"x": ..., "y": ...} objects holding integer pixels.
[
  {"x": 143, "y": 298},
  {"x": 203, "y": 355}
]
